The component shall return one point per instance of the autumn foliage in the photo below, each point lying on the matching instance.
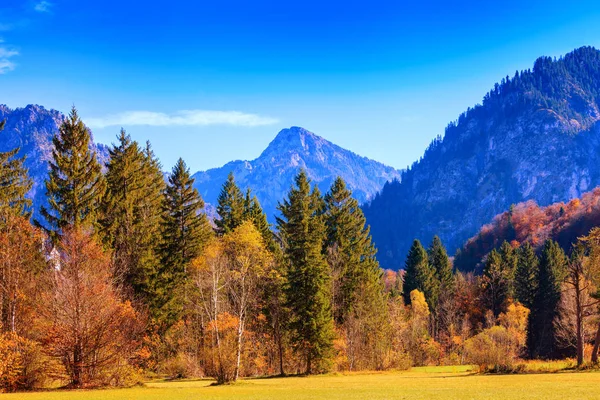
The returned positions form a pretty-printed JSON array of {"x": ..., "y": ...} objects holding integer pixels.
[
  {"x": 528, "y": 222},
  {"x": 84, "y": 322}
]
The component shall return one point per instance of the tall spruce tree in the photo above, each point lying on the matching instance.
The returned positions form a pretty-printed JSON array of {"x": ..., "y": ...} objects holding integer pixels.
[
  {"x": 132, "y": 213},
  {"x": 419, "y": 274},
  {"x": 444, "y": 285},
  {"x": 348, "y": 238},
  {"x": 495, "y": 283},
  {"x": 76, "y": 185},
  {"x": 526, "y": 277},
  {"x": 234, "y": 208},
  {"x": 254, "y": 212},
  {"x": 185, "y": 229},
  {"x": 541, "y": 341},
  {"x": 14, "y": 182},
  {"x": 439, "y": 260},
  {"x": 230, "y": 206},
  {"x": 509, "y": 264},
  {"x": 149, "y": 214},
  {"x": 308, "y": 289},
  {"x": 359, "y": 300}
]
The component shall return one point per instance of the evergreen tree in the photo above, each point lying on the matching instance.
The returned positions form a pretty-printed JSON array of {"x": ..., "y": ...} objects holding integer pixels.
[
  {"x": 14, "y": 182},
  {"x": 359, "y": 293},
  {"x": 234, "y": 209},
  {"x": 509, "y": 265},
  {"x": 308, "y": 289},
  {"x": 185, "y": 229},
  {"x": 75, "y": 186},
  {"x": 551, "y": 272},
  {"x": 444, "y": 284},
  {"x": 495, "y": 283},
  {"x": 230, "y": 206},
  {"x": 420, "y": 275},
  {"x": 349, "y": 238},
  {"x": 526, "y": 275},
  {"x": 254, "y": 212},
  {"x": 439, "y": 260},
  {"x": 132, "y": 212}
]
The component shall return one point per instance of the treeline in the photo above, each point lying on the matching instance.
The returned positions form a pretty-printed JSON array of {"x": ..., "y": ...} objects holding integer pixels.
[{"x": 126, "y": 277}]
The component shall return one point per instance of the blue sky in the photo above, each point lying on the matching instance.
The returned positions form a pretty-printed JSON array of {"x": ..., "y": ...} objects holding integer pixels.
[{"x": 215, "y": 81}]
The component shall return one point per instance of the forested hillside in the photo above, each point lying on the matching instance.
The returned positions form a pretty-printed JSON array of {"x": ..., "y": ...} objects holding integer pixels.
[
  {"x": 529, "y": 223},
  {"x": 534, "y": 137}
]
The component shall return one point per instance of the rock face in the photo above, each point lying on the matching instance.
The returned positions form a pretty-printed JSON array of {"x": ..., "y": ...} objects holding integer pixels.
[
  {"x": 272, "y": 173},
  {"x": 536, "y": 136},
  {"x": 31, "y": 129}
]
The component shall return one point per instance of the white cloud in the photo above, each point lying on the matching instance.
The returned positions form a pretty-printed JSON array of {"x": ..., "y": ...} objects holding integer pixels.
[
  {"x": 181, "y": 118},
  {"x": 6, "y": 64},
  {"x": 43, "y": 6}
]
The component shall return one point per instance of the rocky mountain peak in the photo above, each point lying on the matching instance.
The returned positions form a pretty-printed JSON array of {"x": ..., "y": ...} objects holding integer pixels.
[
  {"x": 272, "y": 173},
  {"x": 296, "y": 140}
]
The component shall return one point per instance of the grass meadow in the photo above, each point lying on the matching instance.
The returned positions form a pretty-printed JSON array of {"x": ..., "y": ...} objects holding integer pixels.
[{"x": 445, "y": 383}]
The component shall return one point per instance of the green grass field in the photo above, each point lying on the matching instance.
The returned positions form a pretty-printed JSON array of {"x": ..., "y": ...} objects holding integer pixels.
[{"x": 420, "y": 383}]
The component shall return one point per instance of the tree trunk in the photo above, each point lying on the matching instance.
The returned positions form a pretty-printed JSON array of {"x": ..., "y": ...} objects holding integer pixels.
[
  {"x": 596, "y": 346},
  {"x": 240, "y": 332},
  {"x": 280, "y": 347},
  {"x": 579, "y": 324},
  {"x": 77, "y": 366}
]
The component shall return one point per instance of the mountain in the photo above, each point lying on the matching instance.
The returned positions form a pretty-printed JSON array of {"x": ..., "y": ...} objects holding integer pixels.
[
  {"x": 32, "y": 128},
  {"x": 535, "y": 137},
  {"x": 271, "y": 175}
]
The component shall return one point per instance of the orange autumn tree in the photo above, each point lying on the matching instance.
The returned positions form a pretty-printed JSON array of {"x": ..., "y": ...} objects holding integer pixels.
[
  {"x": 87, "y": 326},
  {"x": 20, "y": 260}
]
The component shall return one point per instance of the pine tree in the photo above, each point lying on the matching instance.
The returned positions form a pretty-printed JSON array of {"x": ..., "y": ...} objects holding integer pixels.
[
  {"x": 420, "y": 275},
  {"x": 349, "y": 238},
  {"x": 234, "y": 209},
  {"x": 185, "y": 229},
  {"x": 230, "y": 207},
  {"x": 359, "y": 291},
  {"x": 308, "y": 286},
  {"x": 149, "y": 214},
  {"x": 526, "y": 275},
  {"x": 439, "y": 260},
  {"x": 75, "y": 186},
  {"x": 132, "y": 212},
  {"x": 14, "y": 182},
  {"x": 495, "y": 283},
  {"x": 509, "y": 265},
  {"x": 254, "y": 212},
  {"x": 444, "y": 285},
  {"x": 541, "y": 340}
]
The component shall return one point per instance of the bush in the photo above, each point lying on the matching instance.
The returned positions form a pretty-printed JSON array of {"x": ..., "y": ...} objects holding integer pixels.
[
  {"x": 498, "y": 348},
  {"x": 23, "y": 365},
  {"x": 181, "y": 366}
]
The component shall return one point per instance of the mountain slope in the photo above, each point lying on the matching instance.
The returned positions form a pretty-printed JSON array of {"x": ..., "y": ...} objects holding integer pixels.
[
  {"x": 32, "y": 128},
  {"x": 271, "y": 174},
  {"x": 528, "y": 222},
  {"x": 536, "y": 137}
]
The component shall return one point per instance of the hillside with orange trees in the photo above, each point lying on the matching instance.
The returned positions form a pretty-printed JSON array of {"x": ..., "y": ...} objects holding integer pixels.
[{"x": 528, "y": 222}]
